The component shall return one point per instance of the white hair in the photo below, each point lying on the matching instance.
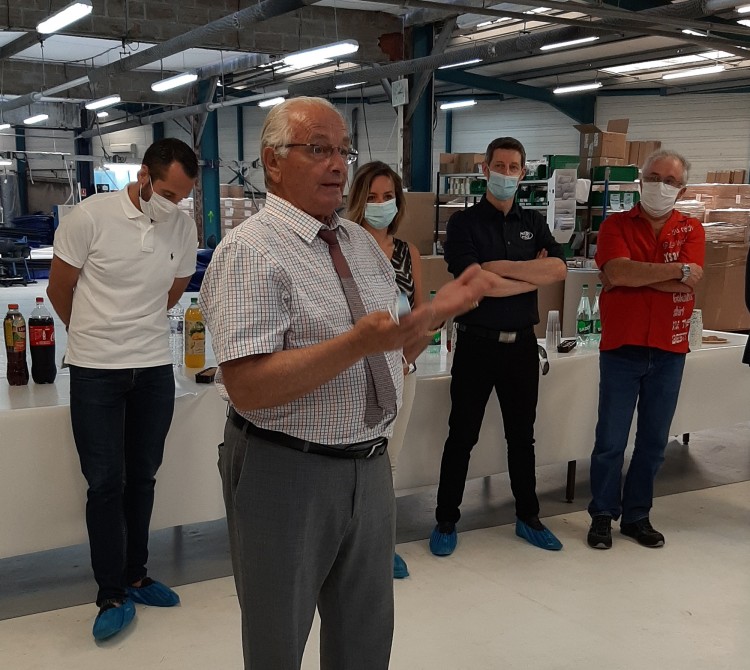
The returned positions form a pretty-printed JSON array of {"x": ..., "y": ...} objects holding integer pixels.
[
  {"x": 666, "y": 153},
  {"x": 278, "y": 127}
]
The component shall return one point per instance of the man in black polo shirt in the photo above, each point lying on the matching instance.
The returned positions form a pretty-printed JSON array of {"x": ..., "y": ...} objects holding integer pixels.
[{"x": 496, "y": 346}]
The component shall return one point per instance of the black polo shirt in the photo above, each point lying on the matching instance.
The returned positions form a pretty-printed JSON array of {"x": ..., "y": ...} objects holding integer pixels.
[{"x": 482, "y": 233}]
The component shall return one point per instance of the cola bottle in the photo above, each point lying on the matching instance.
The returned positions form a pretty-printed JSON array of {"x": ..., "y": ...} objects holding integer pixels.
[
  {"x": 42, "y": 344},
  {"x": 14, "y": 328}
]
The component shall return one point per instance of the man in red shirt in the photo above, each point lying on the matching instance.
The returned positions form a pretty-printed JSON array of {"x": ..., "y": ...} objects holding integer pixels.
[{"x": 651, "y": 259}]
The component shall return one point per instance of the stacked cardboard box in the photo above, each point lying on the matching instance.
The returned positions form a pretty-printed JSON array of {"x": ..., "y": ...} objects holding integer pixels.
[
  {"x": 726, "y": 177},
  {"x": 726, "y": 232},
  {"x": 638, "y": 151},
  {"x": 231, "y": 191},
  {"x": 719, "y": 196},
  {"x": 461, "y": 163},
  {"x": 694, "y": 208},
  {"x": 602, "y": 147},
  {"x": 235, "y": 210},
  {"x": 720, "y": 294}
]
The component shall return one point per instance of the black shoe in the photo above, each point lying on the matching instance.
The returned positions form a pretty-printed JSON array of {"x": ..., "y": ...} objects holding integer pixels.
[
  {"x": 600, "y": 532},
  {"x": 643, "y": 532}
]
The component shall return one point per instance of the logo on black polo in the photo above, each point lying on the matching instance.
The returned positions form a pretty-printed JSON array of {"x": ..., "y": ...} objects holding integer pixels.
[{"x": 526, "y": 234}]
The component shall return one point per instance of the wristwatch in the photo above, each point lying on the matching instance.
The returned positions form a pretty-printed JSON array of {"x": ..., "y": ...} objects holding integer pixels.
[{"x": 685, "y": 272}]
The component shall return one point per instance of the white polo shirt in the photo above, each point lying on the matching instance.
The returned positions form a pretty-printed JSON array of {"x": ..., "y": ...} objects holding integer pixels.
[{"x": 128, "y": 264}]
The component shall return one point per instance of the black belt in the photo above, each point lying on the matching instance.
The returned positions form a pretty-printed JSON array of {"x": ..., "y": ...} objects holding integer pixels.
[
  {"x": 504, "y": 336},
  {"x": 367, "y": 449}
]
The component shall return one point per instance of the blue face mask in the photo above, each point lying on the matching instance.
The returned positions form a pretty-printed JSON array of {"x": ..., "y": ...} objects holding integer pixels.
[
  {"x": 502, "y": 187},
  {"x": 380, "y": 214}
]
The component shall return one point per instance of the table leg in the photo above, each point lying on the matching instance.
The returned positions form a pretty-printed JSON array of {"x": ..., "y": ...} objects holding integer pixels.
[{"x": 570, "y": 484}]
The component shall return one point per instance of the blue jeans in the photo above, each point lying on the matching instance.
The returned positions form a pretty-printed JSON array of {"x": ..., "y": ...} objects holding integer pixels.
[
  {"x": 651, "y": 377},
  {"x": 120, "y": 422}
]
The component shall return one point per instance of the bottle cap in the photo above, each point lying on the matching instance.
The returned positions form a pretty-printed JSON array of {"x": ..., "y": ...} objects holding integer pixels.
[
  {"x": 40, "y": 300},
  {"x": 12, "y": 306}
]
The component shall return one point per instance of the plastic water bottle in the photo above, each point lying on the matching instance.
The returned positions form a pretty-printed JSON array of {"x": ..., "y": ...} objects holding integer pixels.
[
  {"x": 14, "y": 327},
  {"x": 596, "y": 319},
  {"x": 583, "y": 318},
  {"x": 176, "y": 317},
  {"x": 42, "y": 344}
]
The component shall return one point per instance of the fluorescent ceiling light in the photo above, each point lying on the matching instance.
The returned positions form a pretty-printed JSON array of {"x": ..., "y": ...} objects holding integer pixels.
[
  {"x": 102, "y": 115},
  {"x": 458, "y": 104},
  {"x": 4, "y": 126},
  {"x": 6, "y": 161},
  {"x": 103, "y": 102},
  {"x": 744, "y": 22},
  {"x": 319, "y": 55},
  {"x": 339, "y": 87},
  {"x": 562, "y": 45},
  {"x": 694, "y": 33},
  {"x": 271, "y": 102},
  {"x": 742, "y": 10},
  {"x": 502, "y": 19},
  {"x": 697, "y": 72},
  {"x": 35, "y": 119},
  {"x": 461, "y": 64},
  {"x": 538, "y": 10},
  {"x": 73, "y": 12},
  {"x": 666, "y": 62},
  {"x": 182, "y": 79},
  {"x": 577, "y": 87}
]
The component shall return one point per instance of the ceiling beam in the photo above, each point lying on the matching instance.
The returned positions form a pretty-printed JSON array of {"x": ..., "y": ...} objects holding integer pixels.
[{"x": 579, "y": 108}]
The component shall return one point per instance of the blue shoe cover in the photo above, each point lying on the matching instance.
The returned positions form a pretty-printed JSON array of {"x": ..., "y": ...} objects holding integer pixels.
[
  {"x": 399, "y": 567},
  {"x": 544, "y": 539},
  {"x": 153, "y": 593},
  {"x": 111, "y": 621},
  {"x": 443, "y": 544}
]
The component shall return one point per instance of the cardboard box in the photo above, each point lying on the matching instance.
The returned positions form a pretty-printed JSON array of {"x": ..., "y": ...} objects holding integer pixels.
[
  {"x": 738, "y": 177},
  {"x": 449, "y": 164},
  {"x": 470, "y": 162},
  {"x": 720, "y": 295},
  {"x": 589, "y": 164},
  {"x": 711, "y": 177},
  {"x": 611, "y": 143},
  {"x": 723, "y": 176},
  {"x": 418, "y": 226},
  {"x": 643, "y": 150}
]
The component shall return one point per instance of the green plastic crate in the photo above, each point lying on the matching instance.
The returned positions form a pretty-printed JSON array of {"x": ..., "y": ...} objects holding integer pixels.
[
  {"x": 562, "y": 162},
  {"x": 616, "y": 173}
]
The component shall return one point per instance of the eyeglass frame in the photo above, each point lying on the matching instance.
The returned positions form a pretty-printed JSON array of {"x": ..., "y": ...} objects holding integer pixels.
[
  {"x": 325, "y": 151},
  {"x": 657, "y": 179}
]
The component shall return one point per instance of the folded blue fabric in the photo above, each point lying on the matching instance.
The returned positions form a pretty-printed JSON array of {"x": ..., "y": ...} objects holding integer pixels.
[{"x": 400, "y": 571}]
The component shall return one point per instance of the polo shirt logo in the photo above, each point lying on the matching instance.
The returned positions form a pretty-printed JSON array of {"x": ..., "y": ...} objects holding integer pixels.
[{"x": 526, "y": 234}]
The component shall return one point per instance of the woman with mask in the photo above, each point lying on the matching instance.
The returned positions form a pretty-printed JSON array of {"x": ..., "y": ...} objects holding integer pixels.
[{"x": 376, "y": 202}]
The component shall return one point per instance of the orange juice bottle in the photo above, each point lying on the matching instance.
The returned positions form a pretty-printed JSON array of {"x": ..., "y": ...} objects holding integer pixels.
[{"x": 195, "y": 336}]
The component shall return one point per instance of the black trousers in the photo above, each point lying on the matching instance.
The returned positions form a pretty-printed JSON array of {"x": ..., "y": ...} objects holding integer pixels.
[{"x": 479, "y": 365}]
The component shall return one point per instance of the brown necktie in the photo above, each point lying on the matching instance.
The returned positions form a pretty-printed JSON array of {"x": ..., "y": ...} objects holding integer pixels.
[{"x": 381, "y": 394}]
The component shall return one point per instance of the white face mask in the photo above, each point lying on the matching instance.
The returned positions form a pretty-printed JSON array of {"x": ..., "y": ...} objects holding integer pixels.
[
  {"x": 157, "y": 208},
  {"x": 381, "y": 214},
  {"x": 657, "y": 198}
]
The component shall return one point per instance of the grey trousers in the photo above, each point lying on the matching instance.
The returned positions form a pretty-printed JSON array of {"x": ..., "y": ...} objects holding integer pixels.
[{"x": 309, "y": 530}]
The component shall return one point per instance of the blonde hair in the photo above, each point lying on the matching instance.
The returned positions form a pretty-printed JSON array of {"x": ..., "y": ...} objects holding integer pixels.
[{"x": 360, "y": 189}]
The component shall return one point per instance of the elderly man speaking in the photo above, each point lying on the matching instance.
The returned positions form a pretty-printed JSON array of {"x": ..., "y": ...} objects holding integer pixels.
[{"x": 297, "y": 301}]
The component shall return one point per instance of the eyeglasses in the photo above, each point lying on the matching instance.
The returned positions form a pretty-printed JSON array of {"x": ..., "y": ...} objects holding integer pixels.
[
  {"x": 324, "y": 152},
  {"x": 655, "y": 179},
  {"x": 543, "y": 360}
]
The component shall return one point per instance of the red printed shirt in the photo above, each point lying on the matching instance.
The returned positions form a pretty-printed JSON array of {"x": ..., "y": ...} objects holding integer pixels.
[{"x": 643, "y": 316}]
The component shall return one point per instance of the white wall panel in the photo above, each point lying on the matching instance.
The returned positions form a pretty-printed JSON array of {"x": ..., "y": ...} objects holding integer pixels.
[
  {"x": 539, "y": 127},
  {"x": 711, "y": 131}
]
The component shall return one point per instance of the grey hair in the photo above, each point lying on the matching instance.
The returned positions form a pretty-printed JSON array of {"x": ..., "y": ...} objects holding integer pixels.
[{"x": 666, "y": 153}]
